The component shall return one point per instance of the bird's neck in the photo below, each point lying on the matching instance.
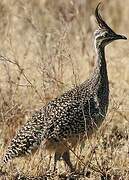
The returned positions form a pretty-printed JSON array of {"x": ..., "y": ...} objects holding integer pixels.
[
  {"x": 100, "y": 68},
  {"x": 99, "y": 76}
]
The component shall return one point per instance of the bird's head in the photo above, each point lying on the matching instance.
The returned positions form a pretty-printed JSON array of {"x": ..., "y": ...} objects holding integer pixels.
[{"x": 104, "y": 34}]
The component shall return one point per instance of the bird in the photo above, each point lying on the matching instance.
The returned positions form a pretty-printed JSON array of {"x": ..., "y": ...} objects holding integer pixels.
[{"x": 72, "y": 116}]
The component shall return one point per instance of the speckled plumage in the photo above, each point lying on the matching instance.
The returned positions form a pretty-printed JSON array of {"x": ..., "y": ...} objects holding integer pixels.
[{"x": 76, "y": 113}]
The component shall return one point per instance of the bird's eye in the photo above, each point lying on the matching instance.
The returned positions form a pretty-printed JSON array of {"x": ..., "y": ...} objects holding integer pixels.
[{"x": 105, "y": 34}]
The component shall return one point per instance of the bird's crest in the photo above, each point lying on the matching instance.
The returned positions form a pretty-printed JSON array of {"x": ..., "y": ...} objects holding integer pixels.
[{"x": 102, "y": 24}]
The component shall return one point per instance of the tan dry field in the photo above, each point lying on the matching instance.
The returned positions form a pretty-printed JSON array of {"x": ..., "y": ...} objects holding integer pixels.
[{"x": 47, "y": 47}]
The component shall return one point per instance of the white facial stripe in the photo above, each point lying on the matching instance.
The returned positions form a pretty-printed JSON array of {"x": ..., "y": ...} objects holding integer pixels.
[{"x": 100, "y": 34}]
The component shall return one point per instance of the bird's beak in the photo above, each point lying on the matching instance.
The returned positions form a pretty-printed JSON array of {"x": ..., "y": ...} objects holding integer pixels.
[{"x": 118, "y": 36}]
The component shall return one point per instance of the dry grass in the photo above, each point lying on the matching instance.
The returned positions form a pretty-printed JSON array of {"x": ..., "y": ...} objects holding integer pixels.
[{"x": 46, "y": 47}]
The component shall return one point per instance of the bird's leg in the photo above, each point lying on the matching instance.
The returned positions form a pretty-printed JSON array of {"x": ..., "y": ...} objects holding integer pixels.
[
  {"x": 66, "y": 158},
  {"x": 57, "y": 157},
  {"x": 49, "y": 162}
]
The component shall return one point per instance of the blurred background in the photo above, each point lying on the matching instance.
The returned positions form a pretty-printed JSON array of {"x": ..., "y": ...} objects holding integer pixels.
[{"x": 47, "y": 47}]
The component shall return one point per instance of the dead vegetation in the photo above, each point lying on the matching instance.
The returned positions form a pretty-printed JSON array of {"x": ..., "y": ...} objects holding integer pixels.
[{"x": 46, "y": 47}]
